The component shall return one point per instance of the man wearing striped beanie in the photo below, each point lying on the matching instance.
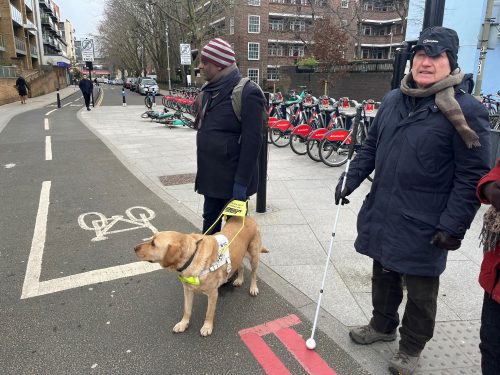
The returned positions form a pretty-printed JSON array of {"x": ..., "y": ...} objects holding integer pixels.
[{"x": 227, "y": 148}]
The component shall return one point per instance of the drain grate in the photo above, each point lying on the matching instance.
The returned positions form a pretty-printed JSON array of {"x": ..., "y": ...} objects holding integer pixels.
[{"x": 178, "y": 179}]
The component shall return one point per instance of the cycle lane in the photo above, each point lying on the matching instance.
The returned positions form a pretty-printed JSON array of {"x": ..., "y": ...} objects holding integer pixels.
[{"x": 107, "y": 325}]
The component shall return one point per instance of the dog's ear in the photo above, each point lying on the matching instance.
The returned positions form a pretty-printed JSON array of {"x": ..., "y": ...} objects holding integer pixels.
[{"x": 172, "y": 256}]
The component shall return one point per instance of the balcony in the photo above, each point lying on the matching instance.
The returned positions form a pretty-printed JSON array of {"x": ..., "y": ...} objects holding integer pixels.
[
  {"x": 47, "y": 21},
  {"x": 17, "y": 16},
  {"x": 20, "y": 45},
  {"x": 2, "y": 43},
  {"x": 29, "y": 5},
  {"x": 34, "y": 51}
]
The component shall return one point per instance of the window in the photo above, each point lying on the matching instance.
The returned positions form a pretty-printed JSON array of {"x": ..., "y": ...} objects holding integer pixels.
[
  {"x": 254, "y": 2},
  {"x": 254, "y": 24},
  {"x": 367, "y": 30},
  {"x": 272, "y": 74},
  {"x": 365, "y": 53},
  {"x": 343, "y": 23},
  {"x": 231, "y": 26},
  {"x": 253, "y": 51},
  {"x": 253, "y": 74},
  {"x": 277, "y": 1},
  {"x": 344, "y": 3},
  {"x": 275, "y": 50},
  {"x": 296, "y": 51},
  {"x": 276, "y": 25},
  {"x": 298, "y": 25}
]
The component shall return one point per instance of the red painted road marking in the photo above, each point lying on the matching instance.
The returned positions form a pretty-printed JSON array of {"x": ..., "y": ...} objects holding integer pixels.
[
  {"x": 308, "y": 359},
  {"x": 264, "y": 355}
]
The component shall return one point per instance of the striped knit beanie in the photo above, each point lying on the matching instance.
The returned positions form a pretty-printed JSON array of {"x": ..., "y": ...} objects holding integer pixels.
[{"x": 218, "y": 52}]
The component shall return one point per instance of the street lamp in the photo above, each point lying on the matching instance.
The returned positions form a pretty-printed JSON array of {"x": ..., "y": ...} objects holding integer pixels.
[{"x": 168, "y": 59}]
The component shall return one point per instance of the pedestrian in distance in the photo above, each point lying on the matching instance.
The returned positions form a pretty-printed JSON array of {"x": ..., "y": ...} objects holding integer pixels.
[
  {"x": 429, "y": 145},
  {"x": 227, "y": 149},
  {"x": 86, "y": 87},
  {"x": 22, "y": 89},
  {"x": 488, "y": 191}
]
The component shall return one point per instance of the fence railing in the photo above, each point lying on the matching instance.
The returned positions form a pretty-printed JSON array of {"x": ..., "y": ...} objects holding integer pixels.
[
  {"x": 2, "y": 43},
  {"x": 8, "y": 72}
]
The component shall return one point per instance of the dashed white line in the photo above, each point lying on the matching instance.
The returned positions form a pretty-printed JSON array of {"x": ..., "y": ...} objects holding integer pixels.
[
  {"x": 67, "y": 104},
  {"x": 46, "y": 123},
  {"x": 49, "y": 112},
  {"x": 48, "y": 148}
]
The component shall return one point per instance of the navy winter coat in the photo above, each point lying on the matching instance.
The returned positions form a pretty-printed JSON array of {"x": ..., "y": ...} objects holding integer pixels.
[
  {"x": 86, "y": 86},
  {"x": 425, "y": 179},
  {"x": 227, "y": 150}
]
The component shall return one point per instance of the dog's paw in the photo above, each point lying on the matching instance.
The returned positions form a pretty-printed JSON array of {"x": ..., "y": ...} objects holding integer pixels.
[
  {"x": 181, "y": 326},
  {"x": 254, "y": 290},
  {"x": 206, "y": 330},
  {"x": 238, "y": 282}
]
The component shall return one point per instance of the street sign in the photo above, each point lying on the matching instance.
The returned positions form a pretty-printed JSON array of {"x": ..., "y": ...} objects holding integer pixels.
[
  {"x": 185, "y": 54},
  {"x": 88, "y": 50}
]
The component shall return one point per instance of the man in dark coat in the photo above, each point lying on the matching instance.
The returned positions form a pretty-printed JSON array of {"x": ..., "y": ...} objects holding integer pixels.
[
  {"x": 429, "y": 146},
  {"x": 227, "y": 149},
  {"x": 22, "y": 88},
  {"x": 86, "y": 86}
]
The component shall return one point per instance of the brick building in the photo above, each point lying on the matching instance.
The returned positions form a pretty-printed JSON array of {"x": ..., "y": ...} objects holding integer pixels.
[{"x": 270, "y": 34}]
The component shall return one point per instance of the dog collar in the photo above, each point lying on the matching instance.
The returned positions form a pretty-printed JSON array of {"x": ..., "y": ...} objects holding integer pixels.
[{"x": 187, "y": 264}]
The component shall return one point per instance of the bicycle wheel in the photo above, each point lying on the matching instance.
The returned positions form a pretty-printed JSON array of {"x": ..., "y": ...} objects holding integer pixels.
[
  {"x": 333, "y": 153},
  {"x": 147, "y": 114},
  {"x": 298, "y": 144},
  {"x": 313, "y": 149},
  {"x": 278, "y": 138},
  {"x": 148, "y": 101}
]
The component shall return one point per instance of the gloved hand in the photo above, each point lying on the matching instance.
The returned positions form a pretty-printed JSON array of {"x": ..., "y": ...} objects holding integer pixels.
[
  {"x": 491, "y": 191},
  {"x": 445, "y": 241},
  {"x": 341, "y": 194},
  {"x": 239, "y": 192}
]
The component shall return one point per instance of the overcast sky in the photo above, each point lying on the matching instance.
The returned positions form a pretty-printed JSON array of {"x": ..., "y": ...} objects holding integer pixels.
[{"x": 84, "y": 15}]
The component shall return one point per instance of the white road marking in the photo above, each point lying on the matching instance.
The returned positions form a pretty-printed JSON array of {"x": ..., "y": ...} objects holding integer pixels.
[
  {"x": 75, "y": 105},
  {"x": 32, "y": 286},
  {"x": 10, "y": 165},
  {"x": 48, "y": 148},
  {"x": 46, "y": 123},
  {"x": 49, "y": 112},
  {"x": 34, "y": 267},
  {"x": 67, "y": 104}
]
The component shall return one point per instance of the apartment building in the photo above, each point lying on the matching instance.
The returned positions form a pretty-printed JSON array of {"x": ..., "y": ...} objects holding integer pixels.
[
  {"x": 18, "y": 34},
  {"x": 68, "y": 35},
  {"x": 270, "y": 34},
  {"x": 30, "y": 35}
]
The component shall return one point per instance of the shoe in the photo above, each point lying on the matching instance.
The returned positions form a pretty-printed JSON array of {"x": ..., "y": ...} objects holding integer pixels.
[
  {"x": 367, "y": 335},
  {"x": 88, "y": 109},
  {"x": 403, "y": 364}
]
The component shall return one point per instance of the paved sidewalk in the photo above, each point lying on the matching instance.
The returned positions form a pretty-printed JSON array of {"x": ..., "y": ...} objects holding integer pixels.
[{"x": 297, "y": 230}]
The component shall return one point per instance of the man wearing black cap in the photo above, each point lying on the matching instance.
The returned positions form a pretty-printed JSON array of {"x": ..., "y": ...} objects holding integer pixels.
[{"x": 429, "y": 145}]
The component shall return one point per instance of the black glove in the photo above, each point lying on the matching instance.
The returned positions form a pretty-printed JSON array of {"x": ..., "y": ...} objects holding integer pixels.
[
  {"x": 342, "y": 194},
  {"x": 491, "y": 191},
  {"x": 445, "y": 241},
  {"x": 239, "y": 192}
]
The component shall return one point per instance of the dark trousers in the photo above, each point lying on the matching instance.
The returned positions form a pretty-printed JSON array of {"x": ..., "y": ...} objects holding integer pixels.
[
  {"x": 490, "y": 336},
  {"x": 420, "y": 311},
  {"x": 86, "y": 97},
  {"x": 212, "y": 207}
]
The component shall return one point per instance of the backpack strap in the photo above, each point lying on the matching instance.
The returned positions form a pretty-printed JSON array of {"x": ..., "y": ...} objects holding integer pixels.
[{"x": 236, "y": 96}]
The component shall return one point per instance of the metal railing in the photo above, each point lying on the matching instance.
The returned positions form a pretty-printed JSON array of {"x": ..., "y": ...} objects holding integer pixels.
[
  {"x": 8, "y": 72},
  {"x": 2, "y": 43},
  {"x": 34, "y": 51},
  {"x": 20, "y": 44},
  {"x": 16, "y": 15}
]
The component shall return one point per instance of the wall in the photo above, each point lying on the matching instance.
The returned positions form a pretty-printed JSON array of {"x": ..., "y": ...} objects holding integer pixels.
[{"x": 42, "y": 84}]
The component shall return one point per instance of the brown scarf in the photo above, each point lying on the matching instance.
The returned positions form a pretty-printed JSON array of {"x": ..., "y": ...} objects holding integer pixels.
[
  {"x": 446, "y": 102},
  {"x": 490, "y": 234}
]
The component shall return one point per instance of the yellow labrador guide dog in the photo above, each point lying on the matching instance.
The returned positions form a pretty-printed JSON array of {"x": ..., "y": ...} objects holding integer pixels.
[{"x": 205, "y": 262}]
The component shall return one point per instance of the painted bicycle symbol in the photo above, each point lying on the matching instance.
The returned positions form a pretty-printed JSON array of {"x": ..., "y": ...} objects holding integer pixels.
[{"x": 138, "y": 217}]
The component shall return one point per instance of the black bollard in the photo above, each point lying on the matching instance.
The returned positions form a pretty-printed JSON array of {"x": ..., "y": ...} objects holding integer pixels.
[
  {"x": 123, "y": 98},
  {"x": 262, "y": 187},
  {"x": 58, "y": 99}
]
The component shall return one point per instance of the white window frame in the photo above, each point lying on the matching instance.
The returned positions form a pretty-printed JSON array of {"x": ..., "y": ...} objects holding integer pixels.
[
  {"x": 367, "y": 30},
  {"x": 258, "y": 51},
  {"x": 299, "y": 49},
  {"x": 231, "y": 26},
  {"x": 273, "y": 74},
  {"x": 255, "y": 3},
  {"x": 255, "y": 70},
  {"x": 276, "y": 24},
  {"x": 252, "y": 27},
  {"x": 276, "y": 50},
  {"x": 344, "y": 3},
  {"x": 298, "y": 25}
]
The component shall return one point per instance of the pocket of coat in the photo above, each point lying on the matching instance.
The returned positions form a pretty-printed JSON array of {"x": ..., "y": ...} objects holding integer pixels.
[{"x": 422, "y": 220}]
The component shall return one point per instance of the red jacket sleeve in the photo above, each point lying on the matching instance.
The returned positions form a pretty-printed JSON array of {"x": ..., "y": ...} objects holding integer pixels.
[{"x": 493, "y": 175}]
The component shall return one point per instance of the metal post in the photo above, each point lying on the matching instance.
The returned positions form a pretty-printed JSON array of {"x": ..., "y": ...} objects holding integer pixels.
[
  {"x": 433, "y": 13},
  {"x": 58, "y": 98},
  {"x": 123, "y": 98},
  {"x": 168, "y": 60},
  {"x": 483, "y": 47},
  {"x": 262, "y": 187},
  {"x": 390, "y": 46}
]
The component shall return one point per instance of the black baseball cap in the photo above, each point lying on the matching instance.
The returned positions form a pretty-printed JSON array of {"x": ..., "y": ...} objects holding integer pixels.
[{"x": 437, "y": 39}]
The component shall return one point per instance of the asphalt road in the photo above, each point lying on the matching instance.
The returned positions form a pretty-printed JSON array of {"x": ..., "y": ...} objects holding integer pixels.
[{"x": 74, "y": 299}]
